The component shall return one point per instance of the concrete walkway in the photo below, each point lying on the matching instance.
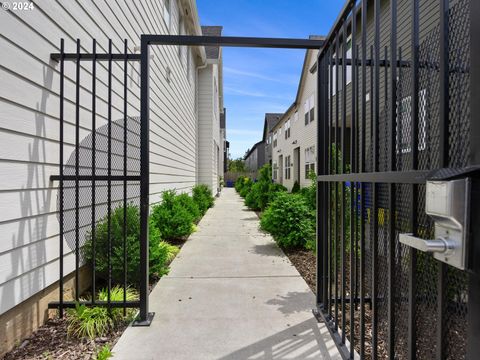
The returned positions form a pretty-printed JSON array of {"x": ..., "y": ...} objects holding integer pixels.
[{"x": 231, "y": 294}]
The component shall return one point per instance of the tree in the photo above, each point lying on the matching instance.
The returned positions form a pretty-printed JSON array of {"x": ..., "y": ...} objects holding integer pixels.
[{"x": 236, "y": 165}]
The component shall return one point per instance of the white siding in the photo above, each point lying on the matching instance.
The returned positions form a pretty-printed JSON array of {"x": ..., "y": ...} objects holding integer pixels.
[
  {"x": 29, "y": 121},
  {"x": 209, "y": 127},
  {"x": 301, "y": 135}
]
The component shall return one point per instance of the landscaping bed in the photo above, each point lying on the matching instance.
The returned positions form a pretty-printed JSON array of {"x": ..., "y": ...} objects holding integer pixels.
[
  {"x": 305, "y": 262},
  {"x": 91, "y": 332},
  {"x": 52, "y": 342}
]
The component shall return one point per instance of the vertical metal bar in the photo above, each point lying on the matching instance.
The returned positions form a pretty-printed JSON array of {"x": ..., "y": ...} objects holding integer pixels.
[
  {"x": 325, "y": 171},
  {"x": 473, "y": 311},
  {"x": 444, "y": 123},
  {"x": 109, "y": 182},
  {"x": 330, "y": 185},
  {"x": 320, "y": 258},
  {"x": 391, "y": 187},
  {"x": 61, "y": 230},
  {"x": 353, "y": 153},
  {"x": 329, "y": 171},
  {"x": 77, "y": 165},
  {"x": 376, "y": 114},
  {"x": 94, "y": 143},
  {"x": 144, "y": 171},
  {"x": 362, "y": 187},
  {"x": 343, "y": 155},
  {"x": 125, "y": 227},
  {"x": 336, "y": 183},
  {"x": 412, "y": 279}
]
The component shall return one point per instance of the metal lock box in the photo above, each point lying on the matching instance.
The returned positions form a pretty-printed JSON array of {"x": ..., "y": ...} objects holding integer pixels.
[{"x": 448, "y": 204}]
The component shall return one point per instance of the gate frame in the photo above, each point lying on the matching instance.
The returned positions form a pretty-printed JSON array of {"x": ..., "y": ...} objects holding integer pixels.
[{"x": 145, "y": 317}]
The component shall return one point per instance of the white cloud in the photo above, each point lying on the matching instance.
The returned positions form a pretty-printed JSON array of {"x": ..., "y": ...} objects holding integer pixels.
[{"x": 229, "y": 70}]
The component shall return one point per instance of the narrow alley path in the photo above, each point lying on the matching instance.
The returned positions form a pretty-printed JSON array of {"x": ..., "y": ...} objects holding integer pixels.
[{"x": 231, "y": 294}]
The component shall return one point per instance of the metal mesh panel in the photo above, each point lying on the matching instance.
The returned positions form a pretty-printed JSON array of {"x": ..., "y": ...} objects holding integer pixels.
[
  {"x": 459, "y": 86},
  {"x": 456, "y": 281},
  {"x": 93, "y": 200},
  {"x": 426, "y": 292},
  {"x": 401, "y": 269},
  {"x": 382, "y": 269},
  {"x": 425, "y": 276}
]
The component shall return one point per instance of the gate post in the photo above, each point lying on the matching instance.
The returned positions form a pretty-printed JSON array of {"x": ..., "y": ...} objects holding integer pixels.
[
  {"x": 144, "y": 318},
  {"x": 322, "y": 217}
]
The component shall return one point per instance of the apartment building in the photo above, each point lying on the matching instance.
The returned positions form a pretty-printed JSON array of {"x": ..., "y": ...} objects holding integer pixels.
[
  {"x": 186, "y": 102},
  {"x": 255, "y": 157},
  {"x": 271, "y": 119},
  {"x": 293, "y": 137}
]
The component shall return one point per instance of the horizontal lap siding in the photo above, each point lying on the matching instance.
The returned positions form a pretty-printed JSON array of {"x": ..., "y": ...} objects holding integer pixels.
[
  {"x": 206, "y": 128},
  {"x": 29, "y": 122}
]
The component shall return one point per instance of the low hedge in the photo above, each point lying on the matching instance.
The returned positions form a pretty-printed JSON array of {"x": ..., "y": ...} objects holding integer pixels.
[
  {"x": 202, "y": 195},
  {"x": 175, "y": 215},
  {"x": 159, "y": 252},
  {"x": 290, "y": 220}
]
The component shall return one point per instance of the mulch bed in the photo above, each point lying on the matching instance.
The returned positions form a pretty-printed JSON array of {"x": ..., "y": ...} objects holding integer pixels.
[
  {"x": 305, "y": 262},
  {"x": 51, "y": 341}
]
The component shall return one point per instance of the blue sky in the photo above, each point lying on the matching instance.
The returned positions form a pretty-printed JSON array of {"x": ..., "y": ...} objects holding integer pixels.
[{"x": 257, "y": 81}]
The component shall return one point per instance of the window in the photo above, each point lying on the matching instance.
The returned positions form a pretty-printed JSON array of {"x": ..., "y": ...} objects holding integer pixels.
[
  {"x": 295, "y": 117},
  {"x": 286, "y": 127},
  {"x": 275, "y": 170},
  {"x": 404, "y": 123},
  {"x": 309, "y": 160},
  {"x": 309, "y": 109},
  {"x": 167, "y": 13},
  {"x": 288, "y": 167},
  {"x": 340, "y": 69},
  {"x": 275, "y": 139}
]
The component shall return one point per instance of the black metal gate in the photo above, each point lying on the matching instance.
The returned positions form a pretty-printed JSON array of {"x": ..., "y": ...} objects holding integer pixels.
[
  {"x": 104, "y": 160},
  {"x": 398, "y": 88},
  {"x": 102, "y": 173}
]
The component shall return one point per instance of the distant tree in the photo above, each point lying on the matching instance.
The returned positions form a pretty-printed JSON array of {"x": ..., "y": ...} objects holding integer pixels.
[{"x": 236, "y": 165}]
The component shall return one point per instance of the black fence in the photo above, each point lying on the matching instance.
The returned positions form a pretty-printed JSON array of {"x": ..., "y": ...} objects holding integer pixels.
[
  {"x": 101, "y": 173},
  {"x": 397, "y": 100}
]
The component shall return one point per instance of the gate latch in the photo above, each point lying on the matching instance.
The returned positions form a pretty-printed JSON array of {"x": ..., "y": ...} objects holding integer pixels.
[{"x": 448, "y": 204}]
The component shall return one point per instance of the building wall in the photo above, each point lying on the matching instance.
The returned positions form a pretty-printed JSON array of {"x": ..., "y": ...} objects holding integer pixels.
[
  {"x": 29, "y": 121},
  {"x": 210, "y": 146},
  {"x": 301, "y": 135},
  {"x": 252, "y": 160}
]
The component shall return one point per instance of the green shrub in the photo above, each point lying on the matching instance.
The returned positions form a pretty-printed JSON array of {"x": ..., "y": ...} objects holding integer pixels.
[
  {"x": 261, "y": 193},
  {"x": 296, "y": 187},
  {"x": 290, "y": 220},
  {"x": 202, "y": 195},
  {"x": 252, "y": 198},
  {"x": 89, "y": 322},
  {"x": 116, "y": 295},
  {"x": 239, "y": 183},
  {"x": 310, "y": 192},
  {"x": 174, "y": 216},
  {"x": 132, "y": 246},
  {"x": 188, "y": 203},
  {"x": 104, "y": 353},
  {"x": 246, "y": 187},
  {"x": 95, "y": 321}
]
